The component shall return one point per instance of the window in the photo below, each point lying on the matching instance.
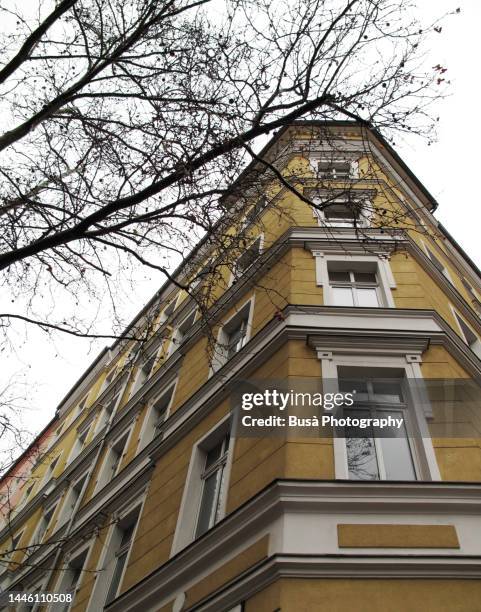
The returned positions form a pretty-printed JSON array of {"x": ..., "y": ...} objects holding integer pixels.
[
  {"x": 121, "y": 555},
  {"x": 438, "y": 263},
  {"x": 204, "y": 497},
  {"x": 71, "y": 578},
  {"x": 71, "y": 500},
  {"x": 50, "y": 470},
  {"x": 109, "y": 378},
  {"x": 232, "y": 336},
  {"x": 334, "y": 169},
  {"x": 111, "y": 568},
  {"x": 371, "y": 457},
  {"x": 351, "y": 287},
  {"x": 182, "y": 329},
  {"x": 247, "y": 259},
  {"x": 80, "y": 407},
  {"x": 342, "y": 214},
  {"x": 79, "y": 444},
  {"x": 158, "y": 411},
  {"x": 145, "y": 365},
  {"x": 168, "y": 310},
  {"x": 468, "y": 335},
  {"x": 43, "y": 525},
  {"x": 108, "y": 407},
  {"x": 113, "y": 460},
  {"x": 213, "y": 486}
]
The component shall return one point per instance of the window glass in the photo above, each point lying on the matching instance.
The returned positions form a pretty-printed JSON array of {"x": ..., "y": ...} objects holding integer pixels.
[
  {"x": 342, "y": 296},
  {"x": 367, "y": 297}
]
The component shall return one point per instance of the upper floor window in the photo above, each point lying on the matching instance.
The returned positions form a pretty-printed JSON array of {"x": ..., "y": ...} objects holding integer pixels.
[
  {"x": 342, "y": 212},
  {"x": 468, "y": 335},
  {"x": 144, "y": 368},
  {"x": 353, "y": 287},
  {"x": 386, "y": 456},
  {"x": 43, "y": 525},
  {"x": 71, "y": 577},
  {"x": 112, "y": 461},
  {"x": 181, "y": 329},
  {"x": 204, "y": 498},
  {"x": 71, "y": 499},
  {"x": 233, "y": 335},
  {"x": 156, "y": 416},
  {"x": 438, "y": 263},
  {"x": 106, "y": 410},
  {"x": 79, "y": 443},
  {"x": 109, "y": 378},
  {"x": 213, "y": 486},
  {"x": 168, "y": 310},
  {"x": 112, "y": 570},
  {"x": 334, "y": 168},
  {"x": 247, "y": 259}
]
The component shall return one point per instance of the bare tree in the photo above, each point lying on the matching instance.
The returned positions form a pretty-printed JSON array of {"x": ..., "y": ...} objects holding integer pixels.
[{"x": 128, "y": 121}]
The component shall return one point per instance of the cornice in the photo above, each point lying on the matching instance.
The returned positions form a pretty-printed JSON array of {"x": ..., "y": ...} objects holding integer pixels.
[{"x": 259, "y": 516}]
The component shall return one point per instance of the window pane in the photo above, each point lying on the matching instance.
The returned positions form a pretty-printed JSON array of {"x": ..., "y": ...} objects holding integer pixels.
[
  {"x": 342, "y": 296},
  {"x": 358, "y": 386},
  {"x": 236, "y": 339},
  {"x": 213, "y": 455},
  {"x": 361, "y": 451},
  {"x": 207, "y": 504},
  {"x": 339, "y": 276},
  {"x": 387, "y": 391},
  {"x": 397, "y": 458},
  {"x": 365, "y": 277},
  {"x": 367, "y": 297}
]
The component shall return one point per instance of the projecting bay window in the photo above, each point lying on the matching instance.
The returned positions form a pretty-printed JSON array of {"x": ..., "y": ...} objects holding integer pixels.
[
  {"x": 386, "y": 455},
  {"x": 213, "y": 486}
]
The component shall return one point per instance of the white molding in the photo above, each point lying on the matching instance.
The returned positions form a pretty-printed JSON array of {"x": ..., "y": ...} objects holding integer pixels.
[{"x": 300, "y": 519}]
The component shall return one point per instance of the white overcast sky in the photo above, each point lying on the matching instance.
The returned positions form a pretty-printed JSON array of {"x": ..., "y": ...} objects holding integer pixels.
[{"x": 448, "y": 169}]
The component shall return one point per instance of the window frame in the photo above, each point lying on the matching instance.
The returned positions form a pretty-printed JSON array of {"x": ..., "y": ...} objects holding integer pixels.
[
  {"x": 475, "y": 345},
  {"x": 144, "y": 440},
  {"x": 107, "y": 472},
  {"x": 191, "y": 497},
  {"x": 425, "y": 459},
  {"x": 100, "y": 592},
  {"x": 220, "y": 356},
  {"x": 73, "y": 556},
  {"x": 437, "y": 262},
  {"x": 236, "y": 275},
  {"x": 383, "y": 273}
]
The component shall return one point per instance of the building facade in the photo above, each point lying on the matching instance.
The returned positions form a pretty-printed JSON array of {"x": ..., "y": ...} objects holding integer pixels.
[{"x": 141, "y": 495}]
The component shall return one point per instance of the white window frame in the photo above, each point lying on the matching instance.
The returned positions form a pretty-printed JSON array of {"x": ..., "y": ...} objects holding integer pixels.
[
  {"x": 150, "y": 420},
  {"x": 49, "y": 469},
  {"x": 53, "y": 509},
  {"x": 170, "y": 308},
  {"x": 365, "y": 212},
  {"x": 178, "y": 333},
  {"x": 69, "y": 506},
  {"x": 77, "y": 448},
  {"x": 107, "y": 560},
  {"x": 140, "y": 377},
  {"x": 333, "y": 173},
  {"x": 106, "y": 473},
  {"x": 430, "y": 253},
  {"x": 220, "y": 358},
  {"x": 72, "y": 556},
  {"x": 235, "y": 276},
  {"x": 423, "y": 453},
  {"x": 474, "y": 346},
  {"x": 192, "y": 495},
  {"x": 383, "y": 272},
  {"x": 109, "y": 378},
  {"x": 104, "y": 415}
]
